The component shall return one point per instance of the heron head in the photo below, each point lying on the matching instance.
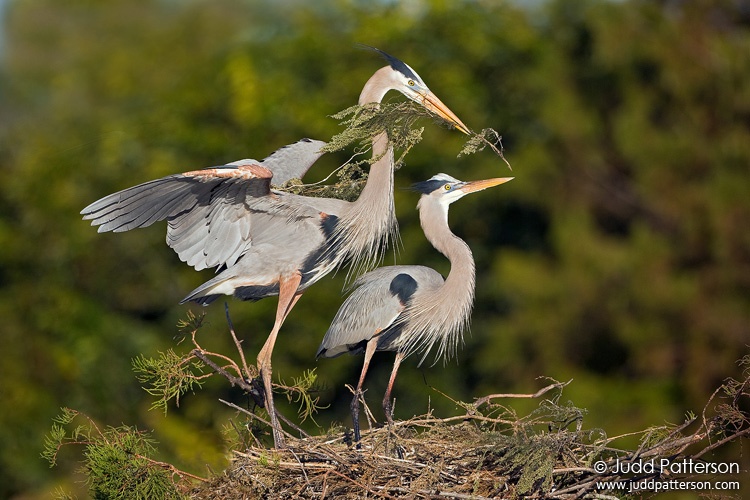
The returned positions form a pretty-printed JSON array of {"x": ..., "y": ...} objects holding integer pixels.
[
  {"x": 401, "y": 77},
  {"x": 447, "y": 189}
]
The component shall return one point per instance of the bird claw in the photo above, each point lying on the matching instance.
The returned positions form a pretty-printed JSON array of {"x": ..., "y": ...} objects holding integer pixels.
[
  {"x": 258, "y": 392},
  {"x": 348, "y": 437}
]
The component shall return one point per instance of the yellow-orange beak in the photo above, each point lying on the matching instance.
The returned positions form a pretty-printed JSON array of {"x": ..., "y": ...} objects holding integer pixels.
[
  {"x": 431, "y": 102},
  {"x": 474, "y": 186}
]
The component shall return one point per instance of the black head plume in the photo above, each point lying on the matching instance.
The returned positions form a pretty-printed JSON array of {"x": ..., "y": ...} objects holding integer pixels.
[
  {"x": 433, "y": 183},
  {"x": 395, "y": 63}
]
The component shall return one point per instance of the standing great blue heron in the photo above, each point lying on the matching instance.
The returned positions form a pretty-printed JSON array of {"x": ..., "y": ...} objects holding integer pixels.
[
  {"x": 267, "y": 242},
  {"x": 410, "y": 308}
]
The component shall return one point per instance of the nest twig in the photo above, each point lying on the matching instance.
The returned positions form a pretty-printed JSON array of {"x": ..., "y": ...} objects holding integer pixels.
[{"x": 478, "y": 455}]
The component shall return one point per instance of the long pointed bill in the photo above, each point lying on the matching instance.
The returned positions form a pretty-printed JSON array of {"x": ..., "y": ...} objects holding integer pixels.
[
  {"x": 474, "y": 186},
  {"x": 431, "y": 102}
]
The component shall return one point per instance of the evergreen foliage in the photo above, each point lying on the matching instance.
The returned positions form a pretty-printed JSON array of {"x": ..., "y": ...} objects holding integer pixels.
[
  {"x": 117, "y": 461},
  {"x": 361, "y": 123},
  {"x": 169, "y": 376}
]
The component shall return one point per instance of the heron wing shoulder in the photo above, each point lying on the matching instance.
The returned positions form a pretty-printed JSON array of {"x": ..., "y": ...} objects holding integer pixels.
[
  {"x": 376, "y": 303},
  {"x": 422, "y": 275}
]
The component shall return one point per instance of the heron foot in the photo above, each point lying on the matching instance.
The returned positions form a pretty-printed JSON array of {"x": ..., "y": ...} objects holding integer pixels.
[
  {"x": 355, "y": 418},
  {"x": 388, "y": 410},
  {"x": 267, "y": 391},
  {"x": 257, "y": 391},
  {"x": 348, "y": 441},
  {"x": 393, "y": 437}
]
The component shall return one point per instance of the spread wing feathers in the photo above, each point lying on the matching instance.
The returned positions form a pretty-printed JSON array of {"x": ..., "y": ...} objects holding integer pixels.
[
  {"x": 201, "y": 207},
  {"x": 218, "y": 234},
  {"x": 216, "y": 230},
  {"x": 141, "y": 205},
  {"x": 174, "y": 195},
  {"x": 209, "y": 211},
  {"x": 376, "y": 304}
]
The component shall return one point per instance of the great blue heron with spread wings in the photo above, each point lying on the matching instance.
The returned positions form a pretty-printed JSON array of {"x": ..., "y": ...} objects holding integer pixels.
[
  {"x": 410, "y": 308},
  {"x": 267, "y": 242}
]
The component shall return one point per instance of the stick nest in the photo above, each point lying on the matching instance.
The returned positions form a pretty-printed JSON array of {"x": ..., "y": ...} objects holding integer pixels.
[{"x": 488, "y": 452}]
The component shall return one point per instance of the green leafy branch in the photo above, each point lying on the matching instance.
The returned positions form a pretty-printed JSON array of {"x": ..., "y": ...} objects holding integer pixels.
[
  {"x": 304, "y": 391},
  {"x": 170, "y": 375},
  {"x": 362, "y": 123},
  {"x": 487, "y": 137},
  {"x": 117, "y": 460}
]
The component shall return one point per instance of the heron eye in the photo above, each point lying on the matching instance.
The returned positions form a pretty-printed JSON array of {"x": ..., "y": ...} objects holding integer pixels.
[
  {"x": 411, "y": 83},
  {"x": 447, "y": 187}
]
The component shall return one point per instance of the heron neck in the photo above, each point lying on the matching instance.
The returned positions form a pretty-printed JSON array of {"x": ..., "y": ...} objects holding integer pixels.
[
  {"x": 438, "y": 317},
  {"x": 376, "y": 87},
  {"x": 369, "y": 223},
  {"x": 456, "y": 297},
  {"x": 377, "y": 194},
  {"x": 378, "y": 189},
  {"x": 459, "y": 285}
]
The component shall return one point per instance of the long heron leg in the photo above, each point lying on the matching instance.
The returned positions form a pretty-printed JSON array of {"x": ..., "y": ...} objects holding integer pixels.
[
  {"x": 288, "y": 296},
  {"x": 387, "y": 408},
  {"x": 372, "y": 345}
]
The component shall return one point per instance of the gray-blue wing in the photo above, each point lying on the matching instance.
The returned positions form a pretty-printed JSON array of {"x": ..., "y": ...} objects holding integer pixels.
[
  {"x": 375, "y": 305},
  {"x": 293, "y": 161},
  {"x": 209, "y": 211},
  {"x": 206, "y": 211}
]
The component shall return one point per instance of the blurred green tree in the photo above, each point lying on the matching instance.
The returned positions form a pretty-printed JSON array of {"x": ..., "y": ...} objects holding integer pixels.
[{"x": 618, "y": 257}]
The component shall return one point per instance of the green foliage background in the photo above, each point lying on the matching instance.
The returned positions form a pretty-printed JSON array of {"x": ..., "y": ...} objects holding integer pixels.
[{"x": 619, "y": 256}]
